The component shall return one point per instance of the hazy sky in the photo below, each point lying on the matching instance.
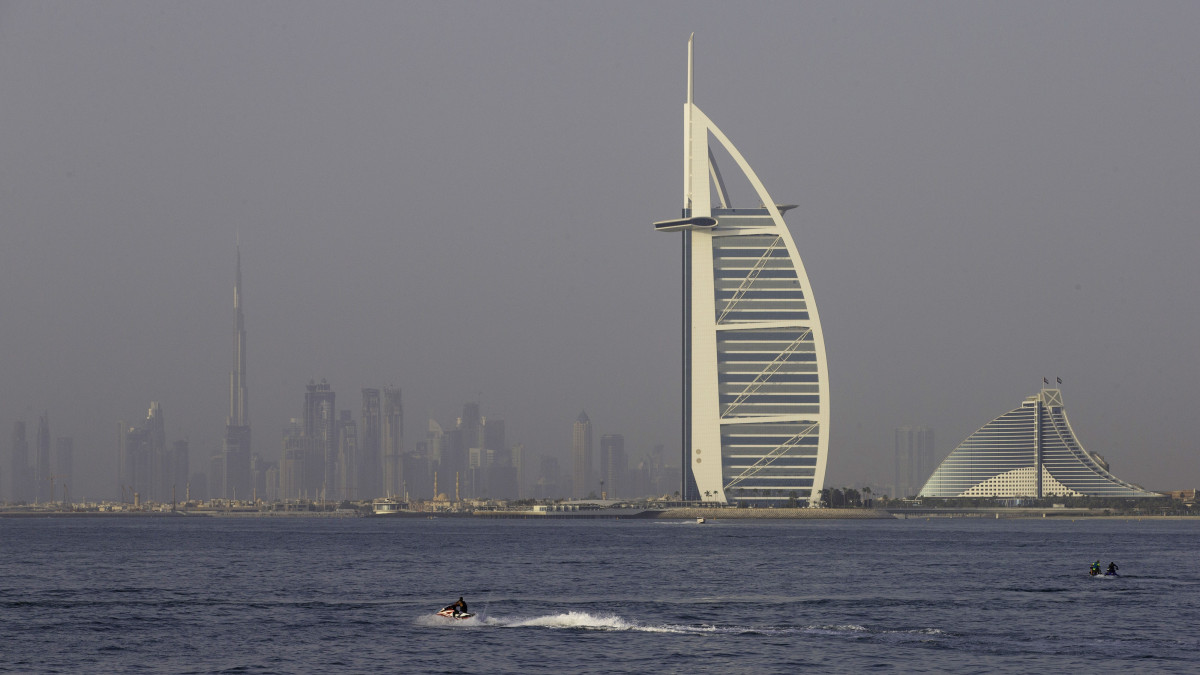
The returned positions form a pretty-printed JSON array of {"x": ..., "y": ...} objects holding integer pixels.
[{"x": 456, "y": 198}]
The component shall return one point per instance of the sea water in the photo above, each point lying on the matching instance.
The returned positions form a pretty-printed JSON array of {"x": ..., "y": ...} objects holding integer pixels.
[{"x": 200, "y": 594}]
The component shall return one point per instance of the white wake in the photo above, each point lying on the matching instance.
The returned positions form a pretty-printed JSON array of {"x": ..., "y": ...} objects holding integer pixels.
[{"x": 586, "y": 621}]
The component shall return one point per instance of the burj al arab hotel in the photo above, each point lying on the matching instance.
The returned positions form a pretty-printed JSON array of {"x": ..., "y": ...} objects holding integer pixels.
[{"x": 755, "y": 377}]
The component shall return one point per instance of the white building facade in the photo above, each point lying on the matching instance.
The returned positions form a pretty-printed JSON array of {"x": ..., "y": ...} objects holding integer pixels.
[
  {"x": 1030, "y": 451},
  {"x": 755, "y": 385}
]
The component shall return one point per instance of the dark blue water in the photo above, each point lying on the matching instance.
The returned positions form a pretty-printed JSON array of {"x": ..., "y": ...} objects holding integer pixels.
[{"x": 291, "y": 595}]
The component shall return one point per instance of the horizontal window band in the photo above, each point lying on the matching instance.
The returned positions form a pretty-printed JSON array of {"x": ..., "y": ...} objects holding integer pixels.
[
  {"x": 765, "y": 274},
  {"x": 762, "y": 358}
]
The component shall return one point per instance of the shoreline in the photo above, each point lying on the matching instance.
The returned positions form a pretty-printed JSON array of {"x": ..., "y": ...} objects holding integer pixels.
[{"x": 677, "y": 513}]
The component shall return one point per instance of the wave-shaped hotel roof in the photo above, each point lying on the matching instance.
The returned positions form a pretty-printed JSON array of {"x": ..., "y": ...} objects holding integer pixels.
[{"x": 1030, "y": 451}]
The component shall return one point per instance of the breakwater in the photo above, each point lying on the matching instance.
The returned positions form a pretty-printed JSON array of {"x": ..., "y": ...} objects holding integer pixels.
[{"x": 772, "y": 514}]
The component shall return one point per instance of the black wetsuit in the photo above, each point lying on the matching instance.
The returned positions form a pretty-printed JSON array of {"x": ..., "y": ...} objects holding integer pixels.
[{"x": 1112, "y": 568}]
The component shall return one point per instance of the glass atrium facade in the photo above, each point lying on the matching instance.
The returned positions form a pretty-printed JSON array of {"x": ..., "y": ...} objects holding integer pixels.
[{"x": 767, "y": 374}]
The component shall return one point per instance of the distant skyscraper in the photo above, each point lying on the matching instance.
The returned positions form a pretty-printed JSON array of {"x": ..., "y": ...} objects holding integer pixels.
[
  {"x": 233, "y": 464},
  {"x": 265, "y": 477},
  {"x": 547, "y": 484},
  {"x": 143, "y": 461},
  {"x": 371, "y": 466},
  {"x": 581, "y": 453},
  {"x": 64, "y": 465},
  {"x": 755, "y": 380},
  {"x": 348, "y": 457},
  {"x": 44, "y": 476},
  {"x": 435, "y": 440},
  {"x": 493, "y": 436},
  {"x": 320, "y": 433},
  {"x": 470, "y": 427},
  {"x": 293, "y": 461},
  {"x": 19, "y": 474},
  {"x": 501, "y": 471},
  {"x": 272, "y": 482},
  {"x": 392, "y": 440},
  {"x": 614, "y": 465},
  {"x": 456, "y": 465},
  {"x": 914, "y": 458}
]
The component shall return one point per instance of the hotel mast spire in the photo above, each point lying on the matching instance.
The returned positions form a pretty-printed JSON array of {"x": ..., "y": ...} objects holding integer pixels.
[{"x": 239, "y": 413}]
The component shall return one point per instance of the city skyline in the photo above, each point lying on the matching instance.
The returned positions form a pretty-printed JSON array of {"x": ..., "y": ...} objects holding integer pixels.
[{"x": 986, "y": 193}]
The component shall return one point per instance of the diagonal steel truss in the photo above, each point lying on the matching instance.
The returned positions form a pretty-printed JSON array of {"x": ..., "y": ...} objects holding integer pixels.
[
  {"x": 769, "y": 458},
  {"x": 766, "y": 373},
  {"x": 759, "y": 265}
]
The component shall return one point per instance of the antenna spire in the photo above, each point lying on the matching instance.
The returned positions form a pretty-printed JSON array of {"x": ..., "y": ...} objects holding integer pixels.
[
  {"x": 687, "y": 134},
  {"x": 691, "y": 39}
]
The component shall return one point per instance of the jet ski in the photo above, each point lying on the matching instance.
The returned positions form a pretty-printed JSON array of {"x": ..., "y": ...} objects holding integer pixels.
[
  {"x": 1111, "y": 574},
  {"x": 448, "y": 612}
]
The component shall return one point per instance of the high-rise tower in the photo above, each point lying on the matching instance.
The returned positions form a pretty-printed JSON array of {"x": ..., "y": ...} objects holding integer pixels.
[
  {"x": 320, "y": 434},
  {"x": 348, "y": 457},
  {"x": 755, "y": 377},
  {"x": 239, "y": 411},
  {"x": 581, "y": 453},
  {"x": 369, "y": 482},
  {"x": 233, "y": 479},
  {"x": 143, "y": 462},
  {"x": 392, "y": 442},
  {"x": 44, "y": 477}
]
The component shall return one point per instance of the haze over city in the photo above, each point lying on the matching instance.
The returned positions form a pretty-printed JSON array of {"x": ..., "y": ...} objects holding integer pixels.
[{"x": 456, "y": 198}]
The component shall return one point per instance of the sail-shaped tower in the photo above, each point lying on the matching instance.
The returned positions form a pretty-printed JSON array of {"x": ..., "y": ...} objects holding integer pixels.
[{"x": 755, "y": 377}]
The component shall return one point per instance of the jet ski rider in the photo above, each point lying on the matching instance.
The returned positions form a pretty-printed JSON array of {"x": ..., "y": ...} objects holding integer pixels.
[
  {"x": 1112, "y": 568},
  {"x": 460, "y": 607},
  {"x": 1095, "y": 568}
]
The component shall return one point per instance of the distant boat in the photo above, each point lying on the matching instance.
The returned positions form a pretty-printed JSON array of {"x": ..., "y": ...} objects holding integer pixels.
[
  {"x": 386, "y": 506},
  {"x": 699, "y": 521}
]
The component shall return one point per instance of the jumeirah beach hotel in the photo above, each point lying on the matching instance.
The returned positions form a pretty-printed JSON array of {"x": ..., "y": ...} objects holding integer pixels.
[
  {"x": 755, "y": 377},
  {"x": 1030, "y": 451}
]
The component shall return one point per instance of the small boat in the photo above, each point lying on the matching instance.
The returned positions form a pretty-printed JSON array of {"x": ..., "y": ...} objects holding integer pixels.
[
  {"x": 448, "y": 612},
  {"x": 386, "y": 506},
  {"x": 699, "y": 521}
]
